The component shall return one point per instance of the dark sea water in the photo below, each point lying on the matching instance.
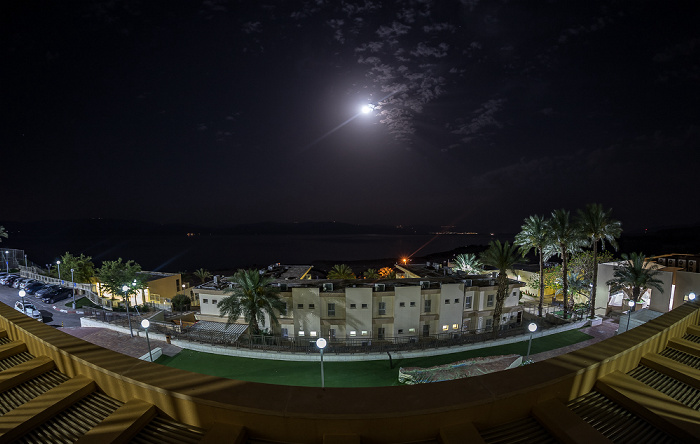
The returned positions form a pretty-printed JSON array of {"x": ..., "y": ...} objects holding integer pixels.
[{"x": 182, "y": 253}]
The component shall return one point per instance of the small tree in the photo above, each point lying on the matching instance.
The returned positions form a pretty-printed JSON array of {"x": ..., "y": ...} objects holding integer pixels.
[
  {"x": 181, "y": 302},
  {"x": 387, "y": 273},
  {"x": 82, "y": 266},
  {"x": 634, "y": 277},
  {"x": 341, "y": 271},
  {"x": 117, "y": 275}
]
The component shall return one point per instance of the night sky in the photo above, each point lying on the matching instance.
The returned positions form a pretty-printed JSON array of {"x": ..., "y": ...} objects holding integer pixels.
[{"x": 228, "y": 112}]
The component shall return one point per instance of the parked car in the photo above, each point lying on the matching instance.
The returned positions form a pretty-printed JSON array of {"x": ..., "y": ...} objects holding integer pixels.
[
  {"x": 17, "y": 283},
  {"x": 57, "y": 296},
  {"x": 23, "y": 284},
  {"x": 8, "y": 280},
  {"x": 46, "y": 290},
  {"x": 34, "y": 287},
  {"x": 28, "y": 309}
]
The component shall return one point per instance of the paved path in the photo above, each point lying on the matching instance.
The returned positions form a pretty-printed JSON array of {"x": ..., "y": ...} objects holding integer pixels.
[
  {"x": 600, "y": 332},
  {"x": 120, "y": 342}
]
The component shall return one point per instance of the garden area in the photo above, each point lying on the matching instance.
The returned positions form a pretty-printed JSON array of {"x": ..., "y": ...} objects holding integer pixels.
[{"x": 346, "y": 374}]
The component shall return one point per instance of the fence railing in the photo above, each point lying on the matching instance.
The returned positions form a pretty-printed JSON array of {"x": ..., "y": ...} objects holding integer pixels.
[{"x": 346, "y": 345}]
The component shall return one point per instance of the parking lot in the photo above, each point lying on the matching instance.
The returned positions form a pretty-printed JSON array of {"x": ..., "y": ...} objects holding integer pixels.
[{"x": 55, "y": 318}]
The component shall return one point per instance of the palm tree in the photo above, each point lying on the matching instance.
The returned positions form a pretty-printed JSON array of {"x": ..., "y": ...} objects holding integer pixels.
[
  {"x": 597, "y": 225},
  {"x": 502, "y": 257},
  {"x": 566, "y": 239},
  {"x": 371, "y": 273},
  {"x": 341, "y": 271},
  {"x": 467, "y": 263},
  {"x": 535, "y": 234},
  {"x": 251, "y": 297},
  {"x": 634, "y": 278},
  {"x": 3, "y": 233},
  {"x": 202, "y": 275}
]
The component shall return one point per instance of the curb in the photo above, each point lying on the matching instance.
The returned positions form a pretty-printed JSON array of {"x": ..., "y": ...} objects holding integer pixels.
[{"x": 64, "y": 310}]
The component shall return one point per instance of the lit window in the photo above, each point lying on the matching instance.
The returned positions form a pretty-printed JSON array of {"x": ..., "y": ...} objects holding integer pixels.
[
  {"x": 301, "y": 332},
  {"x": 364, "y": 332},
  {"x": 445, "y": 327},
  {"x": 411, "y": 330},
  {"x": 312, "y": 334},
  {"x": 455, "y": 326},
  {"x": 353, "y": 333}
]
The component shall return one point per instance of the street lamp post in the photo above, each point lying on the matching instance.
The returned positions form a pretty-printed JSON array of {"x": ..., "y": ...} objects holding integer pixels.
[
  {"x": 126, "y": 301},
  {"x": 7, "y": 262},
  {"x": 58, "y": 263},
  {"x": 532, "y": 328},
  {"x": 631, "y": 305},
  {"x": 73, "y": 282},
  {"x": 321, "y": 344},
  {"x": 22, "y": 293},
  {"x": 25, "y": 261},
  {"x": 145, "y": 324}
]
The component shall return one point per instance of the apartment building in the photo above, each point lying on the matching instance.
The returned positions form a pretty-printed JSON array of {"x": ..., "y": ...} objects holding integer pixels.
[{"x": 397, "y": 308}]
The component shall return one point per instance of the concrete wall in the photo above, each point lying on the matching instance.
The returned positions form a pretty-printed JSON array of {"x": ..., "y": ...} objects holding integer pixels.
[
  {"x": 406, "y": 318},
  {"x": 379, "y": 414},
  {"x": 307, "y": 312},
  {"x": 358, "y": 319}
]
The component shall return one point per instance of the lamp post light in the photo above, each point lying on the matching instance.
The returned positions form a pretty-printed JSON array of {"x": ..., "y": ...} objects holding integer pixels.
[
  {"x": 25, "y": 261},
  {"x": 691, "y": 296},
  {"x": 532, "y": 328},
  {"x": 145, "y": 324},
  {"x": 321, "y": 344},
  {"x": 631, "y": 305},
  {"x": 73, "y": 282},
  {"x": 58, "y": 263},
  {"x": 22, "y": 293},
  {"x": 126, "y": 301}
]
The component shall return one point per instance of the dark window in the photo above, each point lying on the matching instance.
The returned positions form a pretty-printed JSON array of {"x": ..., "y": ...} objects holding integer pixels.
[
  {"x": 380, "y": 333},
  {"x": 382, "y": 308},
  {"x": 447, "y": 301},
  {"x": 489, "y": 300},
  {"x": 312, "y": 306},
  {"x": 468, "y": 302},
  {"x": 413, "y": 304},
  {"x": 364, "y": 305},
  {"x": 177, "y": 284},
  {"x": 205, "y": 301},
  {"x": 331, "y": 309},
  {"x": 426, "y": 306},
  {"x": 300, "y": 306},
  {"x": 353, "y": 305},
  {"x": 402, "y": 304}
]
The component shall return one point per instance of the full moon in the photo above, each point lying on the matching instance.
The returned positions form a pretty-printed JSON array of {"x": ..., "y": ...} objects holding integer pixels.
[{"x": 367, "y": 109}]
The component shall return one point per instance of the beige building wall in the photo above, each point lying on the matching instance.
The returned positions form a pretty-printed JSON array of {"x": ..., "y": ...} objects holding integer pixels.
[
  {"x": 383, "y": 313},
  {"x": 430, "y": 312},
  {"x": 333, "y": 321},
  {"x": 451, "y": 308},
  {"x": 686, "y": 282},
  {"x": 407, "y": 317},
  {"x": 306, "y": 303},
  {"x": 662, "y": 301},
  {"x": 358, "y": 314}
]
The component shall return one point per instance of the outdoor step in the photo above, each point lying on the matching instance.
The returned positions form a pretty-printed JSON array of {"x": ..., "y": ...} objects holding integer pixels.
[
  {"x": 32, "y": 414},
  {"x": 460, "y": 433},
  {"x": 565, "y": 425},
  {"x": 674, "y": 369},
  {"x": 25, "y": 371},
  {"x": 693, "y": 330},
  {"x": 685, "y": 346},
  {"x": 12, "y": 348},
  {"x": 658, "y": 409},
  {"x": 123, "y": 424}
]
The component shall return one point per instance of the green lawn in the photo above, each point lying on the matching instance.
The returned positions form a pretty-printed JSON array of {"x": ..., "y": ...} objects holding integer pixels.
[
  {"x": 82, "y": 302},
  {"x": 345, "y": 374}
]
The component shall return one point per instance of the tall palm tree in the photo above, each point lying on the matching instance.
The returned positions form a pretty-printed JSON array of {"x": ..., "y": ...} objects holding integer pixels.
[
  {"x": 387, "y": 273},
  {"x": 3, "y": 233},
  {"x": 567, "y": 239},
  {"x": 634, "y": 278},
  {"x": 467, "y": 263},
  {"x": 341, "y": 271},
  {"x": 502, "y": 257},
  {"x": 597, "y": 225},
  {"x": 251, "y": 297},
  {"x": 535, "y": 234},
  {"x": 202, "y": 275}
]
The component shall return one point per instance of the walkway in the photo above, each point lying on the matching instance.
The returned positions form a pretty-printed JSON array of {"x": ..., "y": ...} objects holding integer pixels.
[
  {"x": 600, "y": 332},
  {"x": 120, "y": 342}
]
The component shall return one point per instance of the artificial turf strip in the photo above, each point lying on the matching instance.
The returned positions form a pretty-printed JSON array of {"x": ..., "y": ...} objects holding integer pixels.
[{"x": 345, "y": 374}]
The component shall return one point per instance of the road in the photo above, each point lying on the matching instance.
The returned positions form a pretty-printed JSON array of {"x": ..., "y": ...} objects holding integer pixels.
[{"x": 54, "y": 318}]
